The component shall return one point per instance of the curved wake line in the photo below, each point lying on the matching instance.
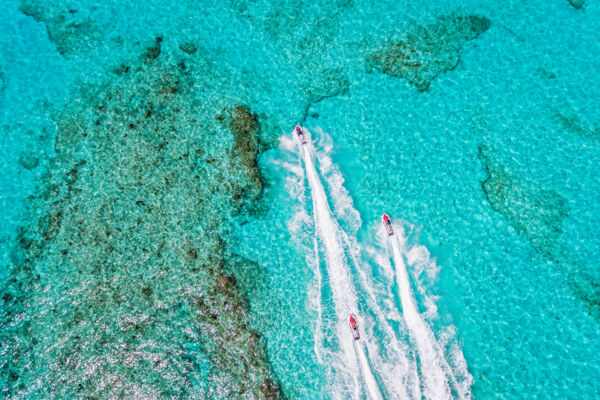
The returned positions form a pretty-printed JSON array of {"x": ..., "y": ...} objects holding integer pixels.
[{"x": 343, "y": 292}]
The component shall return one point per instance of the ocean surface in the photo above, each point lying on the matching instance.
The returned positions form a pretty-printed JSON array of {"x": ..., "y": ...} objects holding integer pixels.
[{"x": 164, "y": 234}]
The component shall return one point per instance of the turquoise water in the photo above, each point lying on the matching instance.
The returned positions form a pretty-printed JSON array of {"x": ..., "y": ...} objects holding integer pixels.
[{"x": 164, "y": 235}]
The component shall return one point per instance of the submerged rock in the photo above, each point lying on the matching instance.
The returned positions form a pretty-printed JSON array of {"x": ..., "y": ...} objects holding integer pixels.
[
  {"x": 28, "y": 160},
  {"x": 328, "y": 83},
  {"x": 122, "y": 273},
  {"x": 428, "y": 51},
  {"x": 69, "y": 32},
  {"x": 569, "y": 120},
  {"x": 188, "y": 47},
  {"x": 577, "y": 3},
  {"x": 534, "y": 212},
  {"x": 246, "y": 130}
]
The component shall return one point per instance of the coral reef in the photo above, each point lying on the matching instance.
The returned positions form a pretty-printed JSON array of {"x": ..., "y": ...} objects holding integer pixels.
[
  {"x": 428, "y": 51},
  {"x": 327, "y": 83},
  {"x": 546, "y": 73},
  {"x": 577, "y": 3},
  {"x": 330, "y": 83},
  {"x": 247, "y": 145},
  {"x": 585, "y": 282},
  {"x": 28, "y": 160},
  {"x": 569, "y": 120},
  {"x": 188, "y": 47},
  {"x": 69, "y": 32},
  {"x": 536, "y": 213},
  {"x": 153, "y": 51},
  {"x": 131, "y": 216}
]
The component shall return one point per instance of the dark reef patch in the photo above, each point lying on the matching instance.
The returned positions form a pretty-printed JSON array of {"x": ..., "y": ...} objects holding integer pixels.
[
  {"x": 569, "y": 120},
  {"x": 188, "y": 47},
  {"x": 150, "y": 302},
  {"x": 69, "y": 32},
  {"x": 2, "y": 81},
  {"x": 284, "y": 17},
  {"x": 577, "y": 3},
  {"x": 585, "y": 283},
  {"x": 428, "y": 51},
  {"x": 546, "y": 73},
  {"x": 28, "y": 160},
  {"x": 536, "y": 213},
  {"x": 153, "y": 51},
  {"x": 247, "y": 145},
  {"x": 330, "y": 83}
]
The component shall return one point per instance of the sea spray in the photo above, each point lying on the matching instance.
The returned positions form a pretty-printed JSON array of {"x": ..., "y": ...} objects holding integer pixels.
[
  {"x": 386, "y": 361},
  {"x": 442, "y": 367},
  {"x": 339, "y": 274},
  {"x": 435, "y": 381},
  {"x": 388, "y": 354},
  {"x": 343, "y": 292}
]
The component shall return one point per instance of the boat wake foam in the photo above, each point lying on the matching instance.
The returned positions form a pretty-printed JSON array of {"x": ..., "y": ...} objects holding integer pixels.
[
  {"x": 442, "y": 367},
  {"x": 383, "y": 363}
]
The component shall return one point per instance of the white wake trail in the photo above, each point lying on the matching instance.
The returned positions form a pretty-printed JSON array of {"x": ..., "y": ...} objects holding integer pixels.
[
  {"x": 400, "y": 381},
  {"x": 341, "y": 285},
  {"x": 435, "y": 381},
  {"x": 388, "y": 356}
]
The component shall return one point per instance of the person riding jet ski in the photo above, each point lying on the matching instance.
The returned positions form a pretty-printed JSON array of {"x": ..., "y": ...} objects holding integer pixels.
[
  {"x": 387, "y": 224},
  {"x": 354, "y": 327},
  {"x": 300, "y": 134}
]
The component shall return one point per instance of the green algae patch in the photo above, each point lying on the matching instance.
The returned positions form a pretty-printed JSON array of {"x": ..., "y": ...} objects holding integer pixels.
[
  {"x": 124, "y": 285},
  {"x": 534, "y": 212},
  {"x": 429, "y": 50}
]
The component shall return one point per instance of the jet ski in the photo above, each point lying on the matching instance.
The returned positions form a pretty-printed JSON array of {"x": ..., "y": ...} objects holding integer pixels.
[
  {"x": 353, "y": 327},
  {"x": 300, "y": 133},
  {"x": 387, "y": 224}
]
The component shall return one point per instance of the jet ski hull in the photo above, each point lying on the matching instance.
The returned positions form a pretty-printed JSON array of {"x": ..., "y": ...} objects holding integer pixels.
[
  {"x": 389, "y": 229},
  {"x": 354, "y": 328},
  {"x": 387, "y": 224},
  {"x": 300, "y": 134},
  {"x": 302, "y": 138}
]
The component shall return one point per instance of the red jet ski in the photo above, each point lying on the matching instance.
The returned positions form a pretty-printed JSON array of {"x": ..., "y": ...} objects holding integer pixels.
[
  {"x": 387, "y": 224},
  {"x": 300, "y": 133},
  {"x": 353, "y": 327}
]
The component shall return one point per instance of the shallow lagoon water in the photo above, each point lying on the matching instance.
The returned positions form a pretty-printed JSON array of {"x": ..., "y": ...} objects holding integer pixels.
[{"x": 517, "y": 289}]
